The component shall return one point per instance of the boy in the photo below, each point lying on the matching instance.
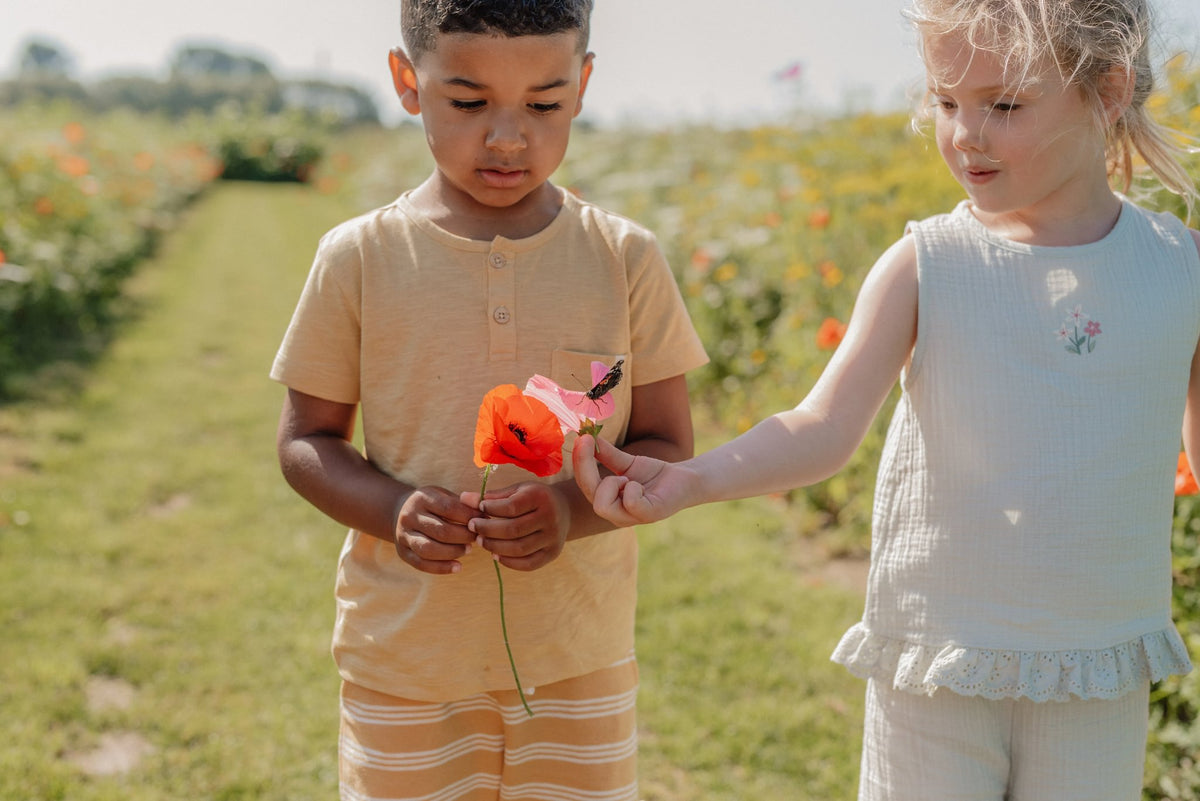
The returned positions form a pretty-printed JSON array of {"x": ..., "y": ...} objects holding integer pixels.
[{"x": 484, "y": 274}]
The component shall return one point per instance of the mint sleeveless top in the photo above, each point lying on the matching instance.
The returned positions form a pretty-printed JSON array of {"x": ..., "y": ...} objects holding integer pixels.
[{"x": 1023, "y": 509}]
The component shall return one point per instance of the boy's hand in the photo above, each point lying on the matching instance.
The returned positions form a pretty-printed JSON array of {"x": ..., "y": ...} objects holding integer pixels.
[
  {"x": 643, "y": 489},
  {"x": 526, "y": 524},
  {"x": 431, "y": 530}
]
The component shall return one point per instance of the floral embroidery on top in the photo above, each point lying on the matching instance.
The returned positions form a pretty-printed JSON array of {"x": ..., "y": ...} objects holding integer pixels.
[{"x": 1079, "y": 335}]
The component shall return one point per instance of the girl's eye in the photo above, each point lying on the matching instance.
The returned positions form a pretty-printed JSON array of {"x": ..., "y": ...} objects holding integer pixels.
[
  {"x": 545, "y": 108},
  {"x": 467, "y": 105},
  {"x": 1005, "y": 107}
]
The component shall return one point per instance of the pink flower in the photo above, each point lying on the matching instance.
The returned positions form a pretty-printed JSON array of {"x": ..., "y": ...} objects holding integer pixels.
[
  {"x": 575, "y": 411},
  {"x": 1092, "y": 328},
  {"x": 1076, "y": 316}
]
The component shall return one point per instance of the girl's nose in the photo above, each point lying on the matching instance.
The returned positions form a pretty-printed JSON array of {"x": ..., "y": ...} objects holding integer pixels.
[{"x": 968, "y": 133}]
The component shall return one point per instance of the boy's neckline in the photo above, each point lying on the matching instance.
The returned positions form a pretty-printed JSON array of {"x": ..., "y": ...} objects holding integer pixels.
[
  {"x": 533, "y": 214},
  {"x": 459, "y": 241}
]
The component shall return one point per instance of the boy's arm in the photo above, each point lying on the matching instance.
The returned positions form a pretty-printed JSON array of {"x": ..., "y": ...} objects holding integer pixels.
[
  {"x": 533, "y": 521},
  {"x": 1191, "y": 413},
  {"x": 427, "y": 525}
]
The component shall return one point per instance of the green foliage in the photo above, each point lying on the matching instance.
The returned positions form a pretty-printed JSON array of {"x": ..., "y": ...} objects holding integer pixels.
[
  {"x": 82, "y": 200},
  {"x": 1173, "y": 754},
  {"x": 256, "y": 147}
]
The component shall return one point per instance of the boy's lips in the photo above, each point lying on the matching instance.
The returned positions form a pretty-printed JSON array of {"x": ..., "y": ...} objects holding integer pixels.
[{"x": 502, "y": 178}]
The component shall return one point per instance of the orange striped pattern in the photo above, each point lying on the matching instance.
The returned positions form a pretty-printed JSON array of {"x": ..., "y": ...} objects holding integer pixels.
[{"x": 580, "y": 745}]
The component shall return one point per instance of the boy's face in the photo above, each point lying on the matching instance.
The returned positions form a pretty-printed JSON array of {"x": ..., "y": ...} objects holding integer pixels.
[{"x": 497, "y": 113}]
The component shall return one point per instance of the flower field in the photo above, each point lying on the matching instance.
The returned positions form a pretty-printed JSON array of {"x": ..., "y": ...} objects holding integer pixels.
[
  {"x": 82, "y": 200},
  {"x": 771, "y": 232}
]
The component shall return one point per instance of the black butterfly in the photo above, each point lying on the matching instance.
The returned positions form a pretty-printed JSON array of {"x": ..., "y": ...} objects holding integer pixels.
[{"x": 608, "y": 383}]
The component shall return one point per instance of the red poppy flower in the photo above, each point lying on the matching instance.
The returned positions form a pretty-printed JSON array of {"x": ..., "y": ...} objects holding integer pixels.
[
  {"x": 1185, "y": 482},
  {"x": 830, "y": 334},
  {"x": 515, "y": 429}
]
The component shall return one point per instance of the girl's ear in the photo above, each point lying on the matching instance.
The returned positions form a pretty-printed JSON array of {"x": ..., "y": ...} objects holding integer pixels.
[
  {"x": 1116, "y": 93},
  {"x": 404, "y": 78},
  {"x": 584, "y": 74}
]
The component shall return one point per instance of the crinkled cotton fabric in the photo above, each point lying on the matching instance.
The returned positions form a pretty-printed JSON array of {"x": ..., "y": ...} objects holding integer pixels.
[{"x": 1024, "y": 504}]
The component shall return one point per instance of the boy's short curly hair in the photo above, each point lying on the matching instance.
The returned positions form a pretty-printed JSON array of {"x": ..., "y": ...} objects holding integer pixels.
[{"x": 422, "y": 20}]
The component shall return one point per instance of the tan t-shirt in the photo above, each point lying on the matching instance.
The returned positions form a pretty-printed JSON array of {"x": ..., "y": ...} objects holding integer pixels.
[{"x": 415, "y": 325}]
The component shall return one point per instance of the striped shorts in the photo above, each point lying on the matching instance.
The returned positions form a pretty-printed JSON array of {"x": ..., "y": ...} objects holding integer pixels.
[{"x": 581, "y": 743}]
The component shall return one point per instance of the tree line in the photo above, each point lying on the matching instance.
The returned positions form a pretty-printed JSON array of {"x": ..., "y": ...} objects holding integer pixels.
[{"x": 201, "y": 78}]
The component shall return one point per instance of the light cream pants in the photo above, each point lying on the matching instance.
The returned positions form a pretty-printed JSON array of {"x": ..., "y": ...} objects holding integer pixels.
[{"x": 950, "y": 747}]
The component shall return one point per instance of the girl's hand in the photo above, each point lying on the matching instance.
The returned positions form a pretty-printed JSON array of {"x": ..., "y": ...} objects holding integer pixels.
[
  {"x": 642, "y": 489},
  {"x": 526, "y": 524}
]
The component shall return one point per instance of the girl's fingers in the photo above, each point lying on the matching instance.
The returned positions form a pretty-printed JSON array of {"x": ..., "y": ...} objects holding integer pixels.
[
  {"x": 613, "y": 457},
  {"x": 587, "y": 470}
]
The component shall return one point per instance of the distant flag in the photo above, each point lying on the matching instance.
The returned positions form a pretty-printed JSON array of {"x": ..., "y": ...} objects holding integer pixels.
[{"x": 791, "y": 72}]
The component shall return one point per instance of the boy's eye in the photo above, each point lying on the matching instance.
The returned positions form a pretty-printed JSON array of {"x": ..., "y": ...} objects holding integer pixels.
[
  {"x": 467, "y": 105},
  {"x": 545, "y": 108}
]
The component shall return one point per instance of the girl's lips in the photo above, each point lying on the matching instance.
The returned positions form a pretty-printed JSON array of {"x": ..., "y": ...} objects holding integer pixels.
[
  {"x": 978, "y": 176},
  {"x": 502, "y": 179}
]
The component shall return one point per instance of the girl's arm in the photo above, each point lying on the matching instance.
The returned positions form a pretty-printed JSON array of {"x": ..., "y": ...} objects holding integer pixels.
[
  {"x": 798, "y": 447},
  {"x": 1191, "y": 414}
]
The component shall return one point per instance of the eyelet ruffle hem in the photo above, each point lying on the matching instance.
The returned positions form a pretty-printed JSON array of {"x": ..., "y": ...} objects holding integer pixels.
[{"x": 995, "y": 673}]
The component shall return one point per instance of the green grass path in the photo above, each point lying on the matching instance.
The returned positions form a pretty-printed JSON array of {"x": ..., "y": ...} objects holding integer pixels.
[{"x": 162, "y": 590}]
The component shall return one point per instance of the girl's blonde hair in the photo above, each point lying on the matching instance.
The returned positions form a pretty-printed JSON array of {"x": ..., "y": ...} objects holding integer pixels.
[{"x": 1095, "y": 44}]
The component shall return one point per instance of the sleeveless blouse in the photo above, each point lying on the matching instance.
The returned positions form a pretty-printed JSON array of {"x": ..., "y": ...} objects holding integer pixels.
[{"x": 1023, "y": 508}]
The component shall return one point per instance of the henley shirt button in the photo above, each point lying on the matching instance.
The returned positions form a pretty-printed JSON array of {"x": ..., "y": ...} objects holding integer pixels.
[
  {"x": 498, "y": 260},
  {"x": 501, "y": 315}
]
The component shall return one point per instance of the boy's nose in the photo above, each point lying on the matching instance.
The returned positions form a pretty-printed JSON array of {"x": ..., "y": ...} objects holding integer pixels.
[{"x": 505, "y": 134}]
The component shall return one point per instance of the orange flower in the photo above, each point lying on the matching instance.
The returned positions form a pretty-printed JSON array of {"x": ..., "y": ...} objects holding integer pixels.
[
  {"x": 74, "y": 166},
  {"x": 1185, "y": 482},
  {"x": 830, "y": 334},
  {"x": 74, "y": 132},
  {"x": 515, "y": 429},
  {"x": 43, "y": 206},
  {"x": 819, "y": 218}
]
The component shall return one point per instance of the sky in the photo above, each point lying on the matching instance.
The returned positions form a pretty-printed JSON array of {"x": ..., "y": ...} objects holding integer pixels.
[{"x": 658, "y": 62}]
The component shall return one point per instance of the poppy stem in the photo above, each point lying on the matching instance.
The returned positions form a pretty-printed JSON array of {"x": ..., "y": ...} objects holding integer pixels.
[
  {"x": 504, "y": 629},
  {"x": 487, "y": 471}
]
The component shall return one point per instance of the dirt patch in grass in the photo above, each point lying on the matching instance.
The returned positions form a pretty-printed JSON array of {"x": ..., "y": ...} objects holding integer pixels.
[
  {"x": 117, "y": 752},
  {"x": 817, "y": 567}
]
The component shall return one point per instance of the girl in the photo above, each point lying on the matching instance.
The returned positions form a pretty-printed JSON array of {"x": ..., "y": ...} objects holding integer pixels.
[{"x": 1045, "y": 336}]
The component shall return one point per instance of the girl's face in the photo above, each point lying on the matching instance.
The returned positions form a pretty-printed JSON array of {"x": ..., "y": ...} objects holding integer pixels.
[{"x": 1026, "y": 148}]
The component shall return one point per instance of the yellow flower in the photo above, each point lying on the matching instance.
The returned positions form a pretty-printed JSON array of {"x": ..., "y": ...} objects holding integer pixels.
[
  {"x": 831, "y": 274},
  {"x": 797, "y": 271},
  {"x": 726, "y": 272}
]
